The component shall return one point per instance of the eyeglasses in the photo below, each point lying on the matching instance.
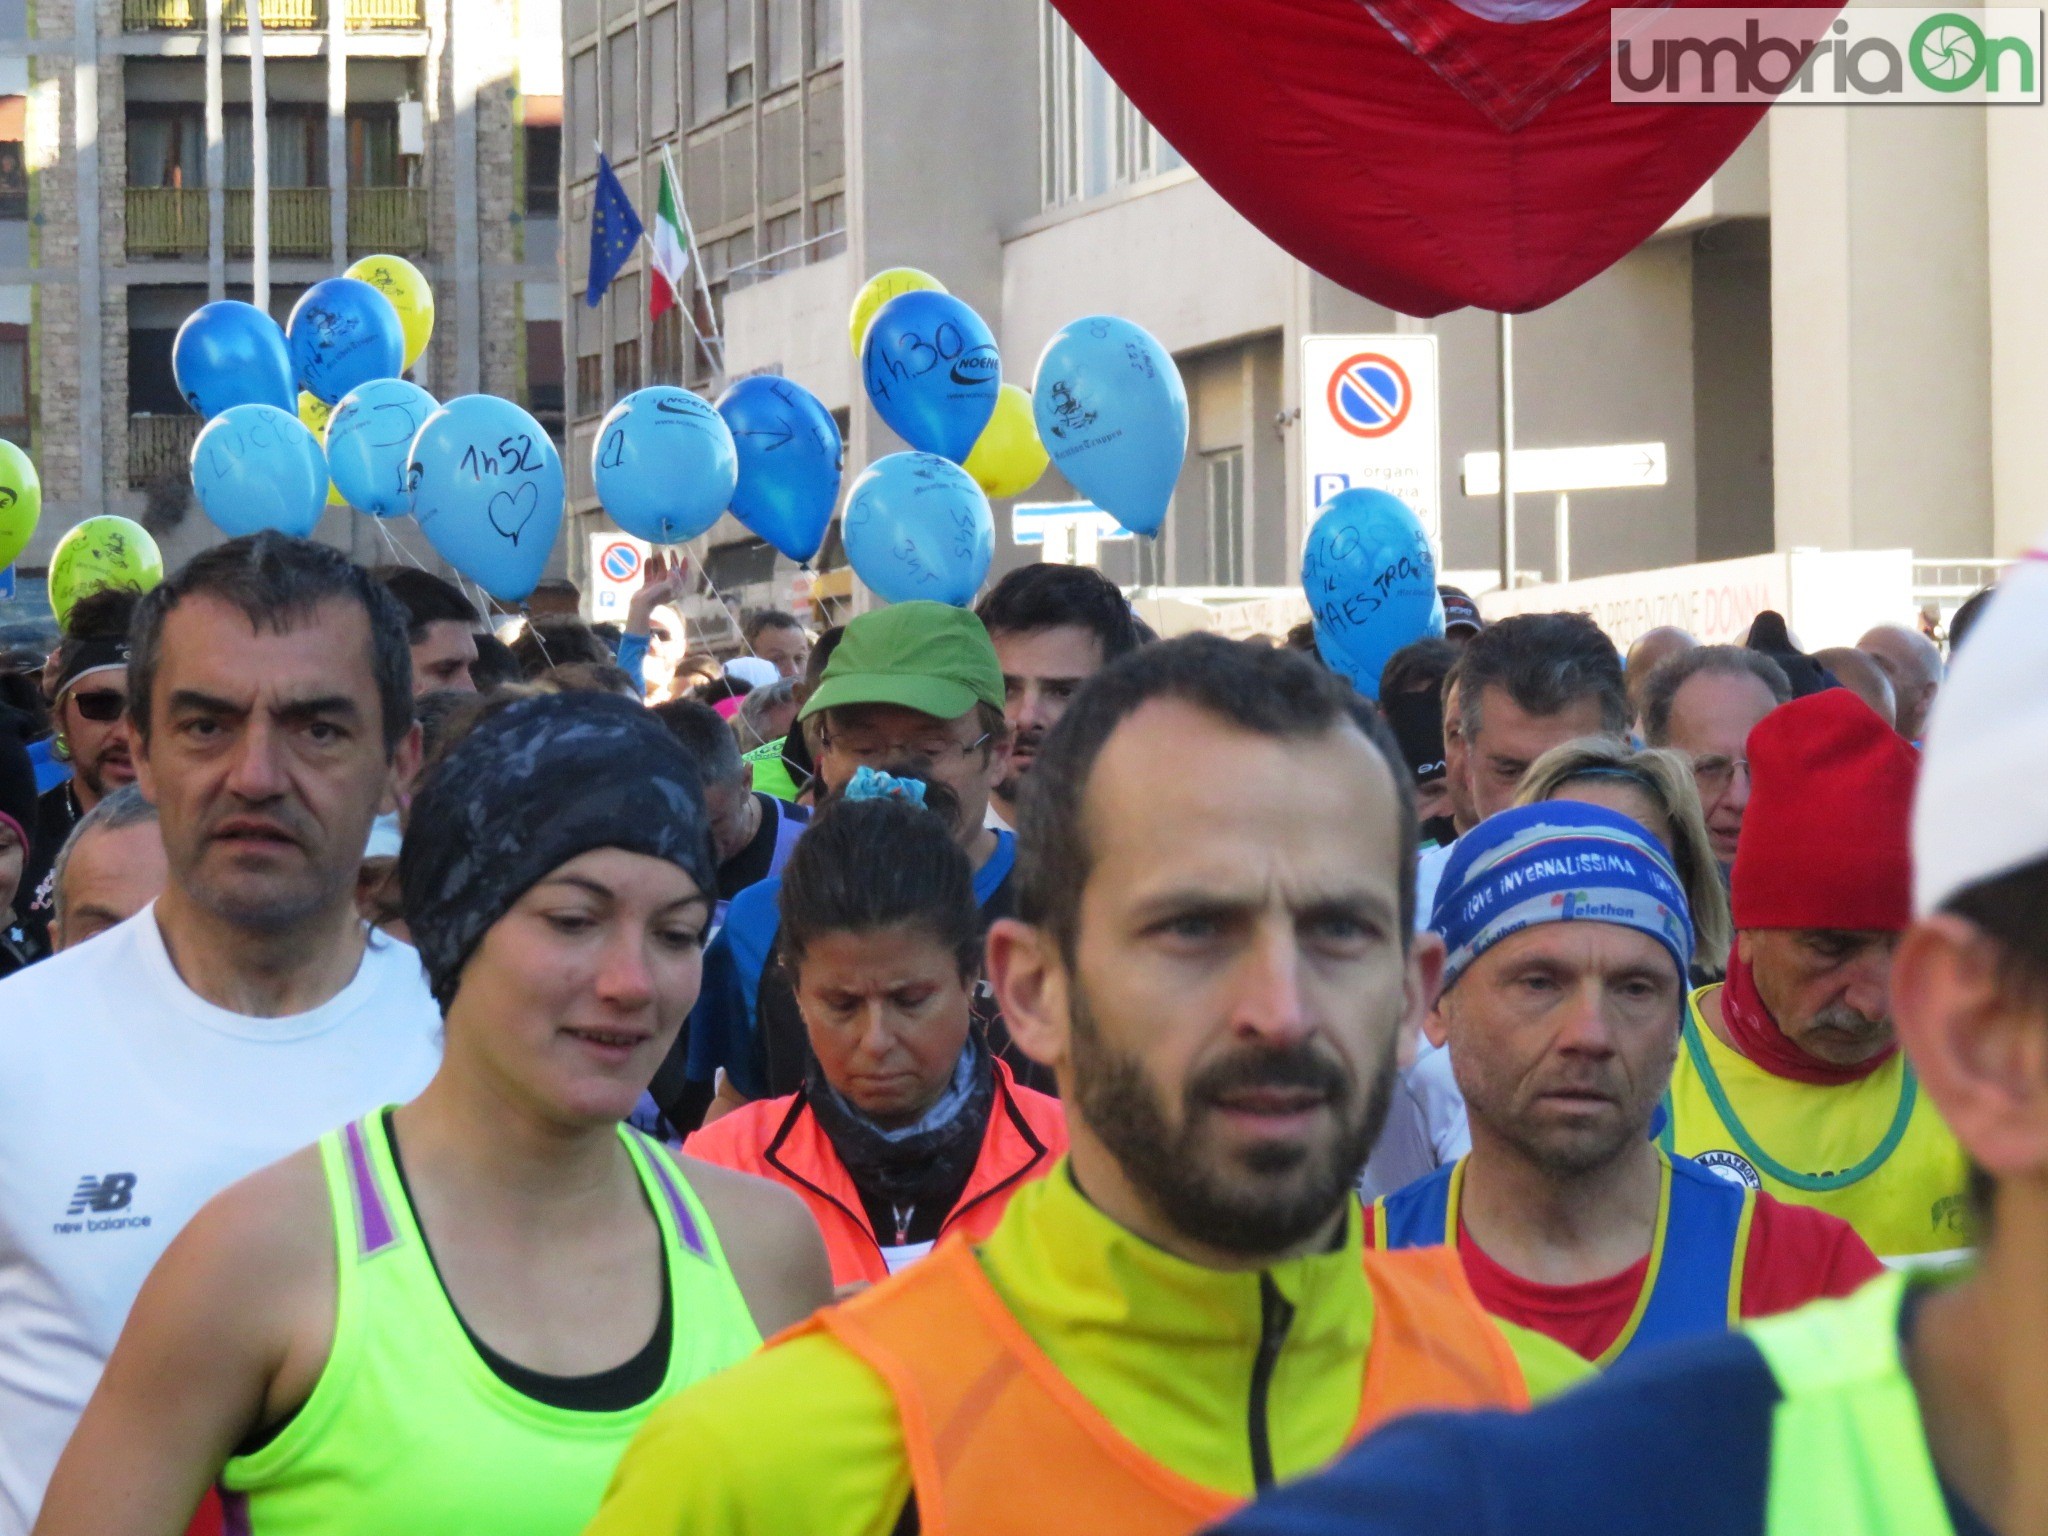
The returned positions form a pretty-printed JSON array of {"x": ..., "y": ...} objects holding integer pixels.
[
  {"x": 102, "y": 706},
  {"x": 1715, "y": 774},
  {"x": 866, "y": 752}
]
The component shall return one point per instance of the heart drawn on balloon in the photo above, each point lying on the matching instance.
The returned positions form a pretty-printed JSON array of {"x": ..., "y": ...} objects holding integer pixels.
[
  {"x": 511, "y": 511},
  {"x": 1427, "y": 154}
]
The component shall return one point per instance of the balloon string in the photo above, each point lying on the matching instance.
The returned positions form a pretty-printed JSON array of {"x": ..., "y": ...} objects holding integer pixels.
[
  {"x": 399, "y": 552},
  {"x": 540, "y": 640},
  {"x": 718, "y": 597}
]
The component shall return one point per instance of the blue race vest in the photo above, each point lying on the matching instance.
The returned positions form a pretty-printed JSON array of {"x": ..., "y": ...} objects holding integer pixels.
[{"x": 1694, "y": 1283}]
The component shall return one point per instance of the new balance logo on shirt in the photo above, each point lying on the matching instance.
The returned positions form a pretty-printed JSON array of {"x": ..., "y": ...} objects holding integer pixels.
[
  {"x": 100, "y": 1194},
  {"x": 111, "y": 1193}
]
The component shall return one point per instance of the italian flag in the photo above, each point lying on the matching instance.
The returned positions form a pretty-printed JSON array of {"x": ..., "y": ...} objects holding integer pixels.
[{"x": 671, "y": 239}]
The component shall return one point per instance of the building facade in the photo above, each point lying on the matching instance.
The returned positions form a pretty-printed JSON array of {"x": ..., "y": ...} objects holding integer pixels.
[
  {"x": 426, "y": 128},
  {"x": 1759, "y": 336},
  {"x": 746, "y": 100}
]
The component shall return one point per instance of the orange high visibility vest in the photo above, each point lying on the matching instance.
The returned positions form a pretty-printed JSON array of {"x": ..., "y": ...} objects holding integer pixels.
[
  {"x": 781, "y": 1139},
  {"x": 1001, "y": 1444}
]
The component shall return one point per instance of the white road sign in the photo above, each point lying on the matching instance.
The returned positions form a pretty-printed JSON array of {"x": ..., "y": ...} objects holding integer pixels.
[
  {"x": 615, "y": 561},
  {"x": 1069, "y": 530},
  {"x": 1615, "y": 467},
  {"x": 1370, "y": 419}
]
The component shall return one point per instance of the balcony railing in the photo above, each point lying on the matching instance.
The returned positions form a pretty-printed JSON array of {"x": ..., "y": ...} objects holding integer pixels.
[
  {"x": 280, "y": 15},
  {"x": 298, "y": 221},
  {"x": 172, "y": 221},
  {"x": 160, "y": 447},
  {"x": 387, "y": 219},
  {"x": 383, "y": 15},
  {"x": 166, "y": 221}
]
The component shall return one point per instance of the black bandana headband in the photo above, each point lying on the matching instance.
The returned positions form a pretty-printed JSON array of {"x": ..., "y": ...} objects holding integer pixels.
[
  {"x": 75, "y": 658},
  {"x": 532, "y": 786}
]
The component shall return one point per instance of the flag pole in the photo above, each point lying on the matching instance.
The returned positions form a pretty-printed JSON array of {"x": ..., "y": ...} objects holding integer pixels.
[{"x": 696, "y": 262}]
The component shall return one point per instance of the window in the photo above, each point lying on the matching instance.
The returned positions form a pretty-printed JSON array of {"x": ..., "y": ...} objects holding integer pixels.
[
  {"x": 297, "y": 137},
  {"x": 622, "y": 93},
  {"x": 13, "y": 163},
  {"x": 785, "y": 44},
  {"x": 739, "y": 52},
  {"x": 667, "y": 359},
  {"x": 707, "y": 59},
  {"x": 373, "y": 147},
  {"x": 544, "y": 374},
  {"x": 14, "y": 382},
  {"x": 583, "y": 115},
  {"x": 662, "y": 41},
  {"x": 590, "y": 392},
  {"x": 827, "y": 46},
  {"x": 828, "y": 226},
  {"x": 543, "y": 171},
  {"x": 166, "y": 148},
  {"x": 784, "y": 238},
  {"x": 151, "y": 389},
  {"x": 1092, "y": 138},
  {"x": 1224, "y": 473},
  {"x": 625, "y": 297}
]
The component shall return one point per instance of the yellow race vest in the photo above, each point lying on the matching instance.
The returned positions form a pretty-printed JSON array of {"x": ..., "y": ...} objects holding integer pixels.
[{"x": 1873, "y": 1152}]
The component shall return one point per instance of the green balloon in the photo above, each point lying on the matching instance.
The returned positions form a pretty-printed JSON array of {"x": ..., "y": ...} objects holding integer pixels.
[
  {"x": 21, "y": 501},
  {"x": 99, "y": 553}
]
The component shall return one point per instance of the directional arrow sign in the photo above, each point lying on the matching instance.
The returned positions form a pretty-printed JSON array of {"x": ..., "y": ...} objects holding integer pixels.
[{"x": 1618, "y": 466}]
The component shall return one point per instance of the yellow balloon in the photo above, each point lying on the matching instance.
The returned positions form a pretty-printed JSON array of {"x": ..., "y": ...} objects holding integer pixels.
[
  {"x": 406, "y": 287},
  {"x": 99, "y": 553},
  {"x": 1008, "y": 458},
  {"x": 879, "y": 290},
  {"x": 21, "y": 501},
  {"x": 314, "y": 411}
]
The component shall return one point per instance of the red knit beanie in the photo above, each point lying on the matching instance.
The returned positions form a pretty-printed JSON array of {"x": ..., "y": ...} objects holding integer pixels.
[{"x": 1825, "y": 841}]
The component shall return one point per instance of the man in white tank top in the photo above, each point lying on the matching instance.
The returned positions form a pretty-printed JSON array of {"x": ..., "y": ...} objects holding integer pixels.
[{"x": 242, "y": 1014}]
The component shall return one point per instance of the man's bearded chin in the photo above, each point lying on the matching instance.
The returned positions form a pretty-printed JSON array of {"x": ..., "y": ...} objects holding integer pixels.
[{"x": 1266, "y": 1200}]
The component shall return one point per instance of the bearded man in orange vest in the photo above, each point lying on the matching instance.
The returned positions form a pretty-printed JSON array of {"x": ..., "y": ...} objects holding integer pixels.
[{"x": 1215, "y": 954}]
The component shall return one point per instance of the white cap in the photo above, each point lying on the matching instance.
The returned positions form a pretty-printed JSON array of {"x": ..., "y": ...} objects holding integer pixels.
[
  {"x": 1982, "y": 806},
  {"x": 753, "y": 671}
]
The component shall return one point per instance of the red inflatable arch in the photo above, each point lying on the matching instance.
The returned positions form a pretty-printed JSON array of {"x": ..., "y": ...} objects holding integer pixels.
[{"x": 1422, "y": 153}]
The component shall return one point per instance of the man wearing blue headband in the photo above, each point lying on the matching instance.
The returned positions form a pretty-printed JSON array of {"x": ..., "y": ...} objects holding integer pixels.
[{"x": 1568, "y": 939}]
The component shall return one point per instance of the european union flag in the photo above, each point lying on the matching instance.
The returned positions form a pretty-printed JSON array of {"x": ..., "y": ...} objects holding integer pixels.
[{"x": 614, "y": 230}]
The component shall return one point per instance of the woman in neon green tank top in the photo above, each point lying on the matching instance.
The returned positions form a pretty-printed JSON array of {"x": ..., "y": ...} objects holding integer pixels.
[{"x": 452, "y": 1316}]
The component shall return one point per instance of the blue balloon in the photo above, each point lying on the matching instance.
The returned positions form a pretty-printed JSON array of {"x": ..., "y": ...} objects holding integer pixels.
[
  {"x": 931, "y": 368},
  {"x": 343, "y": 333},
  {"x": 369, "y": 439},
  {"x": 257, "y": 467},
  {"x": 229, "y": 353},
  {"x": 790, "y": 456},
  {"x": 918, "y": 526},
  {"x": 1371, "y": 583},
  {"x": 1113, "y": 413},
  {"x": 664, "y": 464},
  {"x": 487, "y": 491}
]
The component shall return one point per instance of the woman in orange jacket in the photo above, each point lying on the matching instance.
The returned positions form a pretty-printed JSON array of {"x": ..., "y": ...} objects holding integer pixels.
[{"x": 907, "y": 1128}]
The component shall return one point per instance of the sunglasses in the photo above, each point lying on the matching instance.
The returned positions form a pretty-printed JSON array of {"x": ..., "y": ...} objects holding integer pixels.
[{"x": 102, "y": 706}]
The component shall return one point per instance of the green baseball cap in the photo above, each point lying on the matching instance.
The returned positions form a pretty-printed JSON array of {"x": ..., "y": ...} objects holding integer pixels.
[{"x": 930, "y": 657}]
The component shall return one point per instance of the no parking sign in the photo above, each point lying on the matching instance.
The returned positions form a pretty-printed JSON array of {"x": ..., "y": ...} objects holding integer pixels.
[
  {"x": 615, "y": 562},
  {"x": 1369, "y": 412}
]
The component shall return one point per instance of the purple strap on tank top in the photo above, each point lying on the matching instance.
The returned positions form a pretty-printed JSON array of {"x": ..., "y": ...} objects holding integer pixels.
[
  {"x": 686, "y": 1224},
  {"x": 374, "y": 1232}
]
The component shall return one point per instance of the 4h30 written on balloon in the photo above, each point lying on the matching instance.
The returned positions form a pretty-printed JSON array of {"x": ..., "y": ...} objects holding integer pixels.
[{"x": 970, "y": 367}]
